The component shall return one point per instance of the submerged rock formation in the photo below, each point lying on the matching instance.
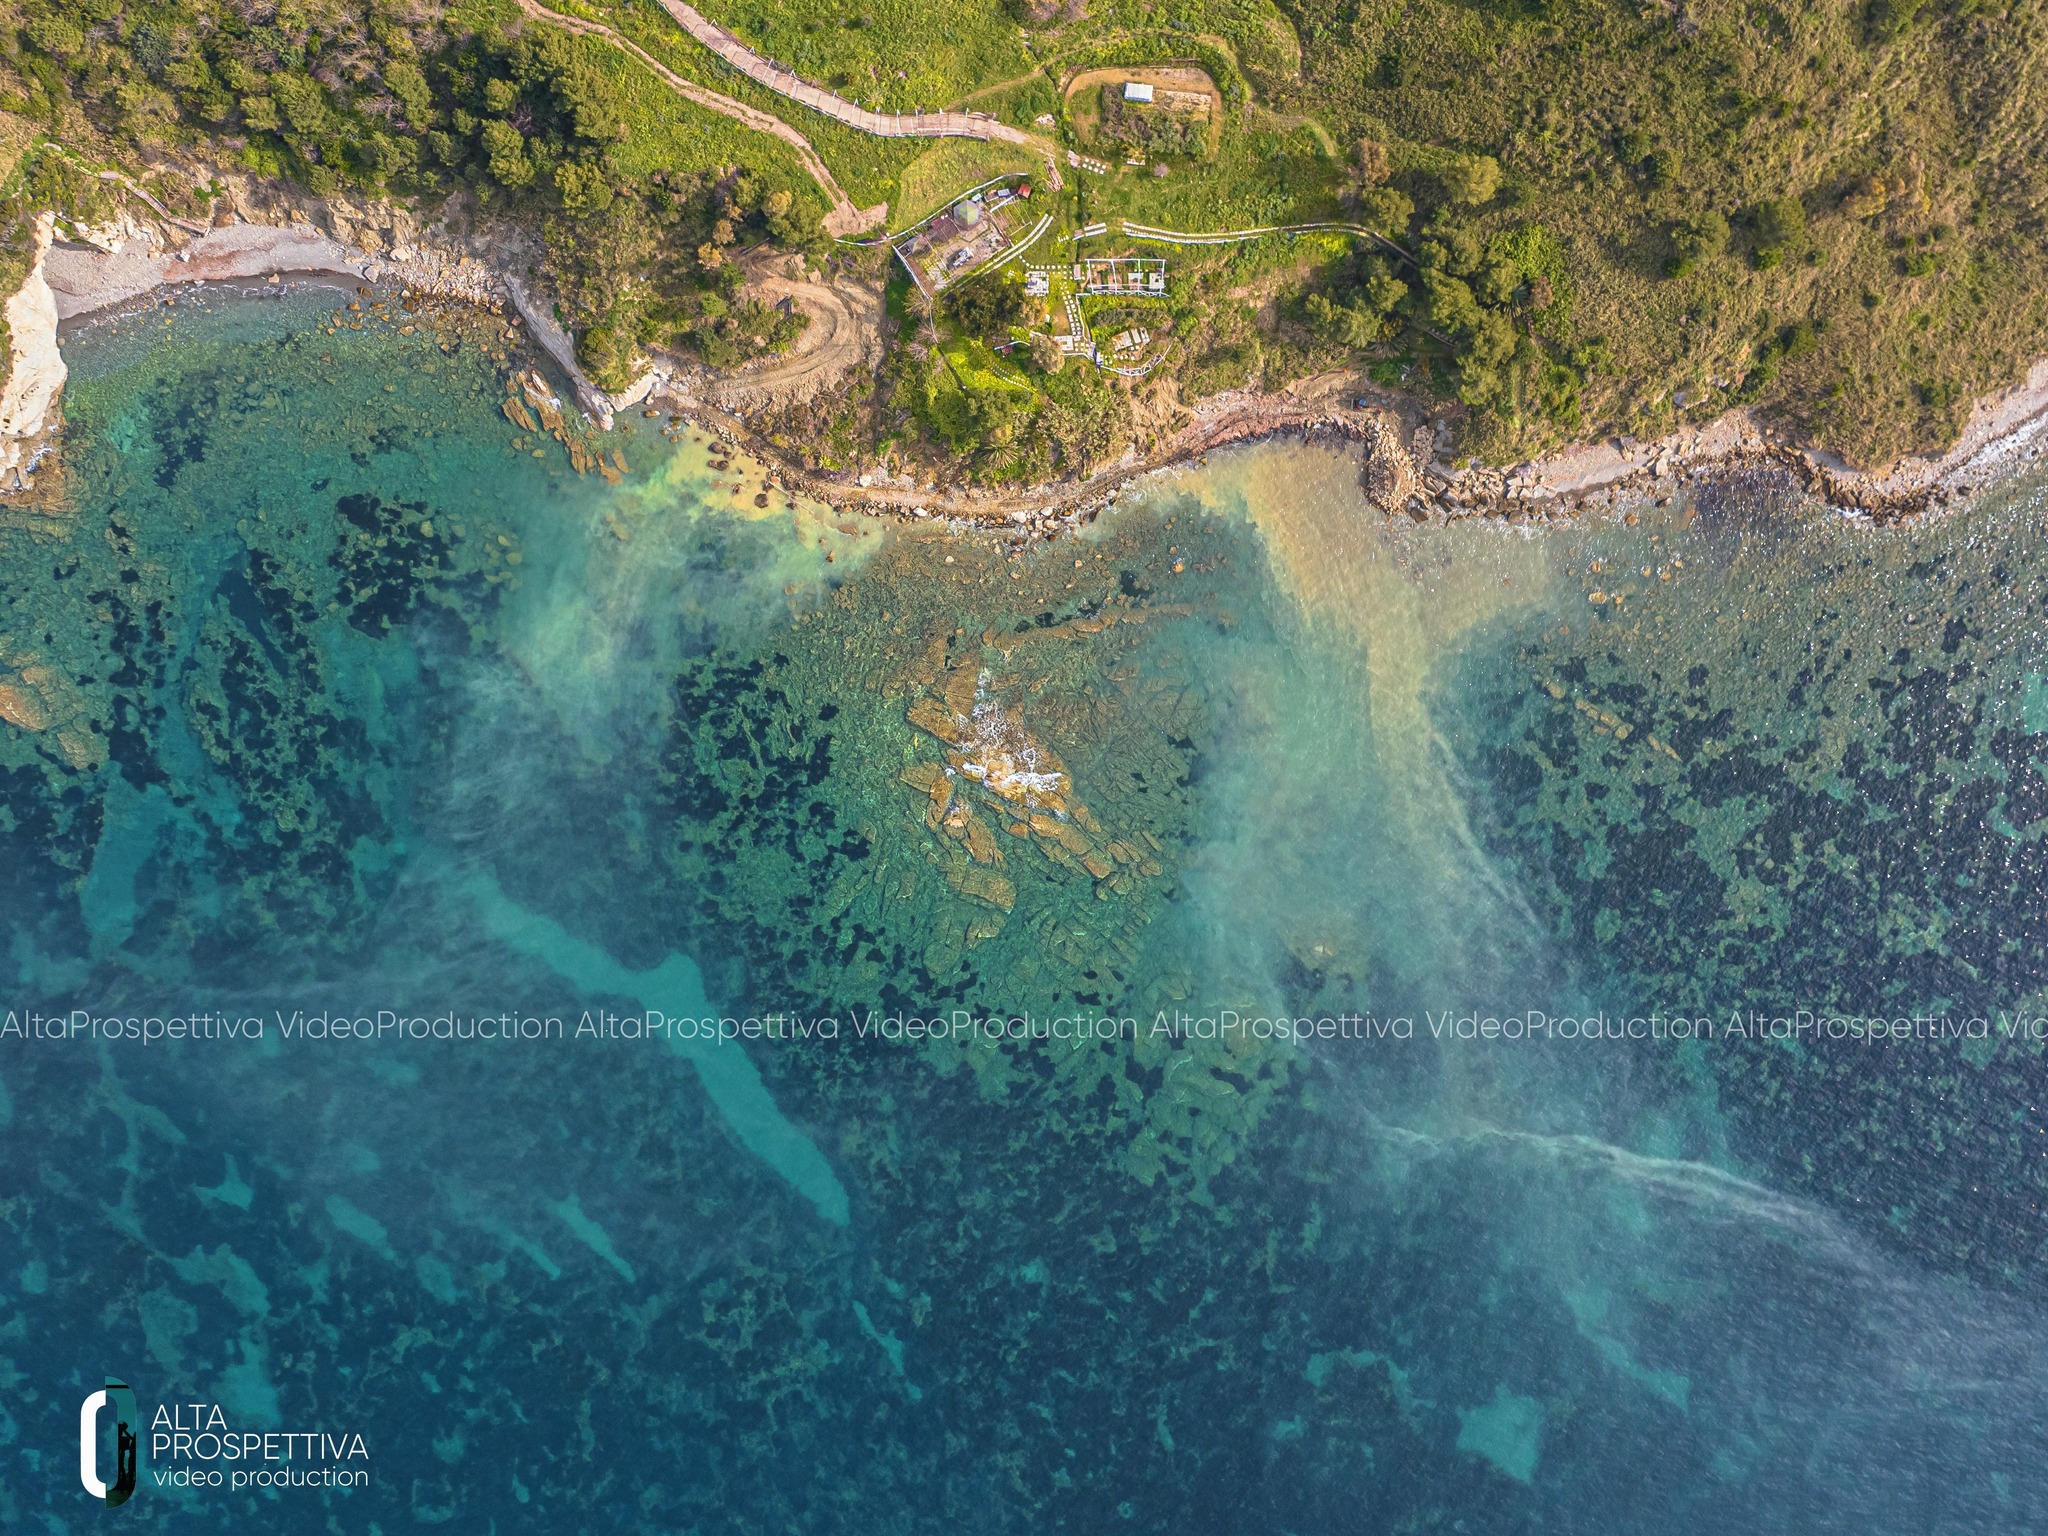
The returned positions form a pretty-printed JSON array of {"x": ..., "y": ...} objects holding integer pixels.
[
  {"x": 35, "y": 374},
  {"x": 1019, "y": 781},
  {"x": 35, "y": 697}
]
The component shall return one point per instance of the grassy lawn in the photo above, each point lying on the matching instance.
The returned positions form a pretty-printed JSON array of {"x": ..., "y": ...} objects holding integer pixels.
[
  {"x": 948, "y": 168},
  {"x": 1019, "y": 103},
  {"x": 666, "y": 132},
  {"x": 1256, "y": 178},
  {"x": 866, "y": 166},
  {"x": 891, "y": 55}
]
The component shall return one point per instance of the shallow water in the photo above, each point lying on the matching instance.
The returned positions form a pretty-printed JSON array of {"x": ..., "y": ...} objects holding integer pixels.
[{"x": 344, "y": 703}]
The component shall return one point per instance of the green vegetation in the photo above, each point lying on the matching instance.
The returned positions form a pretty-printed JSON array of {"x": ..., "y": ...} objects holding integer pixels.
[
  {"x": 865, "y": 166},
  {"x": 645, "y": 199},
  {"x": 1244, "y": 44},
  {"x": 1149, "y": 128},
  {"x": 1714, "y": 176},
  {"x": 1701, "y": 178},
  {"x": 1597, "y": 215},
  {"x": 1257, "y": 178},
  {"x": 891, "y": 55},
  {"x": 666, "y": 132},
  {"x": 1074, "y": 420},
  {"x": 949, "y": 168},
  {"x": 1020, "y": 103},
  {"x": 947, "y": 394},
  {"x": 1021, "y": 416},
  {"x": 612, "y": 275}
]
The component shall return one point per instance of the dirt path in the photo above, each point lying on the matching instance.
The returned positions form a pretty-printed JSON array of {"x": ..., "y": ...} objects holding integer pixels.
[
  {"x": 886, "y": 125},
  {"x": 845, "y": 219},
  {"x": 990, "y": 90},
  {"x": 917, "y": 125},
  {"x": 844, "y": 334}
]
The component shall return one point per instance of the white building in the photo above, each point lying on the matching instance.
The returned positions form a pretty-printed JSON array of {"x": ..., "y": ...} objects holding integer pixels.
[{"x": 1133, "y": 91}]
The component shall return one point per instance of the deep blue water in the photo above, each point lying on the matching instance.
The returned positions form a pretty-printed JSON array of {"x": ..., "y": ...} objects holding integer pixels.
[{"x": 334, "y": 690}]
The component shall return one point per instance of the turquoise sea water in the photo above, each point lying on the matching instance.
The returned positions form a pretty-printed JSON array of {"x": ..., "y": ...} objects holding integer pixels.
[{"x": 325, "y": 696}]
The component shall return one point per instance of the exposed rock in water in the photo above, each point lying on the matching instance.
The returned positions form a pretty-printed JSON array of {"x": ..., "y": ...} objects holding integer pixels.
[
  {"x": 35, "y": 375},
  {"x": 22, "y": 708},
  {"x": 1390, "y": 477},
  {"x": 546, "y": 405},
  {"x": 931, "y": 716}
]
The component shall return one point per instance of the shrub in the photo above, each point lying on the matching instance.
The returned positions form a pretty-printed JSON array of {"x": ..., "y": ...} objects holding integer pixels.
[
  {"x": 1888, "y": 20},
  {"x": 1150, "y": 128},
  {"x": 1779, "y": 222},
  {"x": 1451, "y": 248},
  {"x": 583, "y": 187},
  {"x": 990, "y": 307},
  {"x": 1700, "y": 238},
  {"x": 1470, "y": 179},
  {"x": 1369, "y": 156},
  {"x": 1386, "y": 210},
  {"x": 1350, "y": 324},
  {"x": 56, "y": 36},
  {"x": 505, "y": 149}
]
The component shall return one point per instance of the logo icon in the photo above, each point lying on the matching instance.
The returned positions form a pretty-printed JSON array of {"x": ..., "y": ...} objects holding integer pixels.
[{"x": 123, "y": 1401}]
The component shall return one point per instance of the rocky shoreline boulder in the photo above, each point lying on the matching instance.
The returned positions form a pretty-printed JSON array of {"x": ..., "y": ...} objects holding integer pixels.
[{"x": 1390, "y": 477}]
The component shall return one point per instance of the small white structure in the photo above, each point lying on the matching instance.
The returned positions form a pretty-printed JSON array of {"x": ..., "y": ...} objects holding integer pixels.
[
  {"x": 1133, "y": 91},
  {"x": 1037, "y": 284}
]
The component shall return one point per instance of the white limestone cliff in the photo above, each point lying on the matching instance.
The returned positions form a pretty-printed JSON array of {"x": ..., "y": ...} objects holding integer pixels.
[{"x": 36, "y": 372}]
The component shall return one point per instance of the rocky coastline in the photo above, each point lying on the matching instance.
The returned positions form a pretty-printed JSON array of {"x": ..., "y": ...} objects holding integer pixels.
[
  {"x": 1402, "y": 473},
  {"x": 258, "y": 233},
  {"x": 264, "y": 233}
]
